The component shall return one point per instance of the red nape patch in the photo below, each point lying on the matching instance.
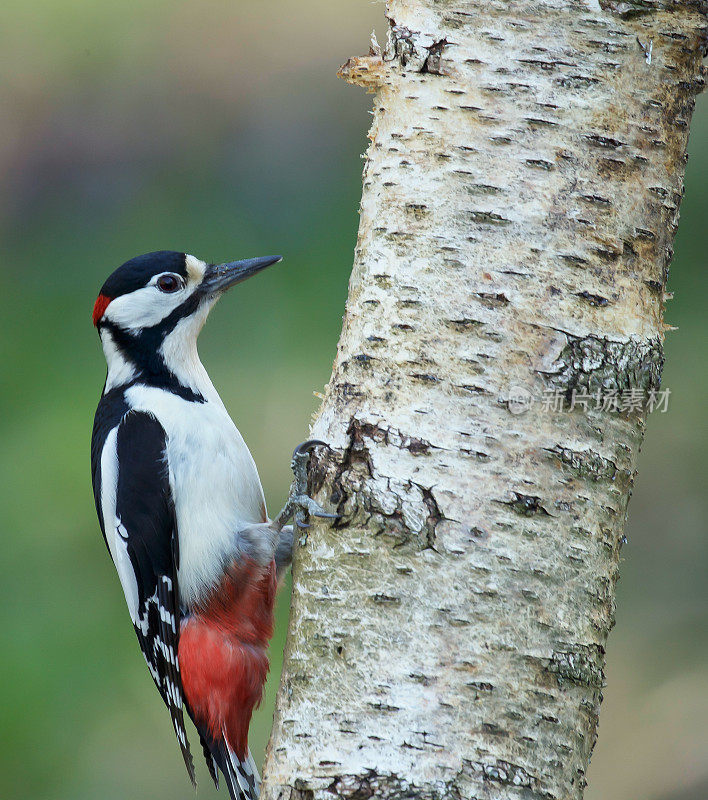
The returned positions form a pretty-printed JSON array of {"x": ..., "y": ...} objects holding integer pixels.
[{"x": 100, "y": 307}]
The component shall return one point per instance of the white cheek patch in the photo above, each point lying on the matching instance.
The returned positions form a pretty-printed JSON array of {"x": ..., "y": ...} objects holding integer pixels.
[
  {"x": 144, "y": 307},
  {"x": 195, "y": 269},
  {"x": 120, "y": 370}
]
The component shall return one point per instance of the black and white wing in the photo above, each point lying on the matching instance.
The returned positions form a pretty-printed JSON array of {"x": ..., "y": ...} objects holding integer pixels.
[{"x": 137, "y": 513}]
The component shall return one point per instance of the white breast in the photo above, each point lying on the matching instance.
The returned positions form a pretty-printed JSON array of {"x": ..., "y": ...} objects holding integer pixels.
[{"x": 214, "y": 482}]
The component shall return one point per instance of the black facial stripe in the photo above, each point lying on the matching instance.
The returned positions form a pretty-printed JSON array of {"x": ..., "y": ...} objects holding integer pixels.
[
  {"x": 142, "y": 348},
  {"x": 139, "y": 271}
]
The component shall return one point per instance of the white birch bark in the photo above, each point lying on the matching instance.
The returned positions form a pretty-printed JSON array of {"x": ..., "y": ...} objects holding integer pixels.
[{"x": 520, "y": 200}]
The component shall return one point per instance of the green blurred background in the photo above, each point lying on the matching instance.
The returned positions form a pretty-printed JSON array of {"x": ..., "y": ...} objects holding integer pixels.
[{"x": 219, "y": 128}]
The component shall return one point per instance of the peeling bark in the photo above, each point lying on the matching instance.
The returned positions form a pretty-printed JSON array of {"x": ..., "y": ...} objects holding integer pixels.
[{"x": 521, "y": 195}]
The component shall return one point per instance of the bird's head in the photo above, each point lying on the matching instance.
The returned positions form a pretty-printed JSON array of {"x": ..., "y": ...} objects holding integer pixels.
[{"x": 151, "y": 309}]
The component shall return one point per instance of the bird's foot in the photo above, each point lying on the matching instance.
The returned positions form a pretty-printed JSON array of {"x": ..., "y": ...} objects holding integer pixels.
[{"x": 299, "y": 504}]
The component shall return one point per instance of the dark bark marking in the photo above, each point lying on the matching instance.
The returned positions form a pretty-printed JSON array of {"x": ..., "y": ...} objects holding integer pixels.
[
  {"x": 357, "y": 458},
  {"x": 593, "y": 299},
  {"x": 301, "y": 794},
  {"x": 507, "y": 774},
  {"x": 527, "y": 505},
  {"x": 389, "y": 787},
  {"x": 626, "y": 9},
  {"x": 433, "y": 63},
  {"x": 492, "y": 299},
  {"x": 604, "y": 141},
  {"x": 583, "y": 665},
  {"x": 588, "y": 464},
  {"x": 463, "y": 324},
  {"x": 480, "y": 686},
  {"x": 489, "y": 218},
  {"x": 591, "y": 364},
  {"x": 434, "y": 516},
  {"x": 403, "y": 44}
]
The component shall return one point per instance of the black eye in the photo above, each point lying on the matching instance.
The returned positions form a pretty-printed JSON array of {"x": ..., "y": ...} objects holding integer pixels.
[{"x": 169, "y": 283}]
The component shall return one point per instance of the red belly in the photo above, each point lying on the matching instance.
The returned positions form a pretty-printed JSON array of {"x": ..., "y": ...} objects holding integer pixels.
[{"x": 222, "y": 653}]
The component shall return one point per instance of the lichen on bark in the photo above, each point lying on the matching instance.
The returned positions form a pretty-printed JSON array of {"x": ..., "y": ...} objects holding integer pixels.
[{"x": 520, "y": 199}]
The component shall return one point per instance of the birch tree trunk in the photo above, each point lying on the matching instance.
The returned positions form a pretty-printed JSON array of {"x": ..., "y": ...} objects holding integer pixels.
[{"x": 521, "y": 196}]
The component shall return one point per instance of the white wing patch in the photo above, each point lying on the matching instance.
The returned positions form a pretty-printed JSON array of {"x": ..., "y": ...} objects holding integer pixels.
[
  {"x": 116, "y": 534},
  {"x": 124, "y": 567},
  {"x": 109, "y": 487}
]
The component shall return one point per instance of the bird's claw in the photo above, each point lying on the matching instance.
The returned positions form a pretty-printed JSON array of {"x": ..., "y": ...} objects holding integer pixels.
[
  {"x": 299, "y": 504},
  {"x": 305, "y": 505}
]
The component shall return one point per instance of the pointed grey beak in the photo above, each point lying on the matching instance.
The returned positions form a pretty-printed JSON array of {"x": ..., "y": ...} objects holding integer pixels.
[{"x": 220, "y": 277}]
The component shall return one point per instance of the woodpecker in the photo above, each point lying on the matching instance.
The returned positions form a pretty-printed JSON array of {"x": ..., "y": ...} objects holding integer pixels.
[{"x": 181, "y": 506}]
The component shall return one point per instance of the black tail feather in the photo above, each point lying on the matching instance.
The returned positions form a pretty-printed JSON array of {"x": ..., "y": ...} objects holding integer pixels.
[
  {"x": 210, "y": 761},
  {"x": 241, "y": 777}
]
